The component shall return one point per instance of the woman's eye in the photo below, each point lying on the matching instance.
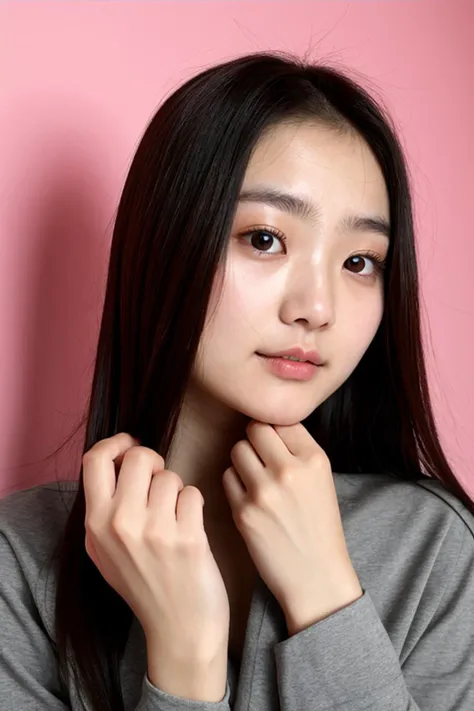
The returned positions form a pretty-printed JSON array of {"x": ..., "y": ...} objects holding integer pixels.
[
  {"x": 360, "y": 262},
  {"x": 263, "y": 240}
]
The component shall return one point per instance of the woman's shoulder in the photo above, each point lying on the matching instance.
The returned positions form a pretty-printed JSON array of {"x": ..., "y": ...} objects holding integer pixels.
[
  {"x": 387, "y": 500},
  {"x": 32, "y": 522},
  {"x": 441, "y": 497},
  {"x": 37, "y": 514},
  {"x": 405, "y": 536}
]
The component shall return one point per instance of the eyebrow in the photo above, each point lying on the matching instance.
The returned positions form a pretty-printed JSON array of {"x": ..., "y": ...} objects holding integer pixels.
[{"x": 306, "y": 210}]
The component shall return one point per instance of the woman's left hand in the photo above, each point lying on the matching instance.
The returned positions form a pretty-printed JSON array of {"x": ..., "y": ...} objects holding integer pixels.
[{"x": 283, "y": 500}]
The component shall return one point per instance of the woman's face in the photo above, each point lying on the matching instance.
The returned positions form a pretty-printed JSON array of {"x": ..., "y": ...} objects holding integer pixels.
[{"x": 308, "y": 285}]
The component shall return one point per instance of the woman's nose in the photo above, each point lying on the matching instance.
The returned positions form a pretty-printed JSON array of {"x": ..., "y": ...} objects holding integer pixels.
[{"x": 311, "y": 299}]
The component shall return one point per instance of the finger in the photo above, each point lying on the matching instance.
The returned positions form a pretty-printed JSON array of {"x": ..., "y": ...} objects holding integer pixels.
[
  {"x": 162, "y": 496},
  {"x": 269, "y": 446},
  {"x": 297, "y": 439},
  {"x": 139, "y": 465},
  {"x": 98, "y": 470},
  {"x": 234, "y": 488},
  {"x": 189, "y": 509},
  {"x": 248, "y": 465},
  {"x": 119, "y": 460}
]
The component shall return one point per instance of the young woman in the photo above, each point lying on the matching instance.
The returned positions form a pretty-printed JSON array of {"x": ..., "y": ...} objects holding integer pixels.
[{"x": 248, "y": 531}]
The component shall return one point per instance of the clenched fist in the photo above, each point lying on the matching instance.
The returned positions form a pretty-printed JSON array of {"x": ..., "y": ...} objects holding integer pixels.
[{"x": 145, "y": 534}]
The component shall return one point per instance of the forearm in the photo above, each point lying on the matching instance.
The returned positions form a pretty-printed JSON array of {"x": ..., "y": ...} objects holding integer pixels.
[{"x": 190, "y": 679}]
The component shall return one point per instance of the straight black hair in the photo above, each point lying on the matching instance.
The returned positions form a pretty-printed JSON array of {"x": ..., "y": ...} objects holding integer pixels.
[{"x": 170, "y": 234}]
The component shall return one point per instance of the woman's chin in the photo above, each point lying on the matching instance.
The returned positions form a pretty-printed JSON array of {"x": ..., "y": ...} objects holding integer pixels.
[{"x": 282, "y": 416}]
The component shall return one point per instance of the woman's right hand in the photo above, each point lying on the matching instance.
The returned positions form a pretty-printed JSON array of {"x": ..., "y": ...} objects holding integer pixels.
[{"x": 145, "y": 534}]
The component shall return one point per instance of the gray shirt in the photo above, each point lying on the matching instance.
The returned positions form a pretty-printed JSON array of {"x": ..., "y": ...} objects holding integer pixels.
[{"x": 406, "y": 644}]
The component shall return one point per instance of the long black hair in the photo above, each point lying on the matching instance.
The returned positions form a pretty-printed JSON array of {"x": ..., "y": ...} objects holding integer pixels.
[{"x": 170, "y": 234}]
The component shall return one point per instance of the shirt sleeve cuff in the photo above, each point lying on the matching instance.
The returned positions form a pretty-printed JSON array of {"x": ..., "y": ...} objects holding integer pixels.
[
  {"x": 345, "y": 658},
  {"x": 155, "y": 699}
]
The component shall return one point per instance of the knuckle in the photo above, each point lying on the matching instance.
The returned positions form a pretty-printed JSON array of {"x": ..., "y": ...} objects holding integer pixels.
[
  {"x": 193, "y": 491},
  {"x": 101, "y": 447},
  {"x": 191, "y": 542},
  {"x": 172, "y": 477},
  {"x": 142, "y": 456},
  {"x": 153, "y": 536},
  {"x": 90, "y": 456},
  {"x": 92, "y": 525},
  {"x": 285, "y": 475},
  {"x": 318, "y": 459},
  {"x": 243, "y": 516},
  {"x": 138, "y": 454},
  {"x": 96, "y": 452},
  {"x": 122, "y": 529},
  {"x": 264, "y": 496}
]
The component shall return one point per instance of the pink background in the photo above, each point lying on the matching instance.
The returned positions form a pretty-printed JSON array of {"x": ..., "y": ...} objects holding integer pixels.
[{"x": 79, "y": 82}]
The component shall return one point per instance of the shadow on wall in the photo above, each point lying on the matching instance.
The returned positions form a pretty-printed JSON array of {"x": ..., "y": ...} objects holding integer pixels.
[{"x": 63, "y": 205}]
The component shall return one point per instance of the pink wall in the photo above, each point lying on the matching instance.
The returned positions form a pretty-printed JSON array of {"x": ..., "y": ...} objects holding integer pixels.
[{"x": 78, "y": 83}]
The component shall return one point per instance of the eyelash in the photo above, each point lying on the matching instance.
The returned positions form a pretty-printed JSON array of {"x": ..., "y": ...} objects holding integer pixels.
[{"x": 379, "y": 263}]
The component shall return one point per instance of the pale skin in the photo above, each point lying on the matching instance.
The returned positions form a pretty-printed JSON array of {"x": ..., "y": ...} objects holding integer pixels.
[
  {"x": 305, "y": 297},
  {"x": 267, "y": 485}
]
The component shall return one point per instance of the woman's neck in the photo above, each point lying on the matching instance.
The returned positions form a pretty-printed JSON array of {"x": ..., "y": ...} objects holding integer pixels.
[{"x": 200, "y": 451}]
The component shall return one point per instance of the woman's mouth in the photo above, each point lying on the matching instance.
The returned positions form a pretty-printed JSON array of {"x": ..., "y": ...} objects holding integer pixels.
[{"x": 288, "y": 368}]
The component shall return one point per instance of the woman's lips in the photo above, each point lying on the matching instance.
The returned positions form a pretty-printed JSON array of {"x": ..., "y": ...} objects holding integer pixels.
[{"x": 289, "y": 369}]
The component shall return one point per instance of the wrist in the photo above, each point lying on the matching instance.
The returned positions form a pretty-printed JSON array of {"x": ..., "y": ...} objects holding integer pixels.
[
  {"x": 195, "y": 678},
  {"x": 307, "y": 610}
]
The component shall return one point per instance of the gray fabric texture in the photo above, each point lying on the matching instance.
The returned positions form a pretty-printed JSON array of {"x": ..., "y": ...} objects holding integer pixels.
[{"x": 406, "y": 644}]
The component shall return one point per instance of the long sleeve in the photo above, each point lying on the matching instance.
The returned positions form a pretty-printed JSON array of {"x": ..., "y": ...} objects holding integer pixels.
[
  {"x": 347, "y": 661},
  {"x": 28, "y": 678},
  {"x": 28, "y": 668},
  {"x": 154, "y": 699}
]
